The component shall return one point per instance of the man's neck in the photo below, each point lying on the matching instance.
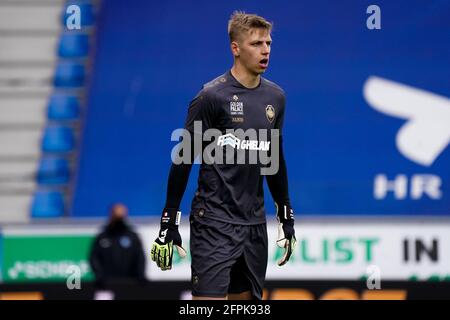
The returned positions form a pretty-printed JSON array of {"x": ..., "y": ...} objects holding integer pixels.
[{"x": 244, "y": 77}]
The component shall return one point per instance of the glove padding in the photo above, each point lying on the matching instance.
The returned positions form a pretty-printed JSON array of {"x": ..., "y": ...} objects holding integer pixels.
[
  {"x": 286, "y": 233},
  {"x": 169, "y": 236}
]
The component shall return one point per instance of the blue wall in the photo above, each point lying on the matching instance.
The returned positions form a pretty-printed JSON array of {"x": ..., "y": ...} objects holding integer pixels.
[{"x": 152, "y": 58}]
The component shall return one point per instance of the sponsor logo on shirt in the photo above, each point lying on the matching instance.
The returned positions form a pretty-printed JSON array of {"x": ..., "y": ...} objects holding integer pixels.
[
  {"x": 231, "y": 140},
  {"x": 236, "y": 107},
  {"x": 270, "y": 112}
]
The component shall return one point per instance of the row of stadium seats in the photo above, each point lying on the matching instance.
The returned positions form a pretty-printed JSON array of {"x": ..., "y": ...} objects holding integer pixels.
[
  {"x": 60, "y": 137},
  {"x": 43, "y": 72}
]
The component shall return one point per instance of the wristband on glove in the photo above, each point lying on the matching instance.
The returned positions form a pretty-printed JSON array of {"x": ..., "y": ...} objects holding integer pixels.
[
  {"x": 286, "y": 233},
  {"x": 169, "y": 236}
]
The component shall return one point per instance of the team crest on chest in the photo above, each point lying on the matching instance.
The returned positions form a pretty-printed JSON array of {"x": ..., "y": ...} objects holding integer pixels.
[
  {"x": 236, "y": 106},
  {"x": 270, "y": 112}
]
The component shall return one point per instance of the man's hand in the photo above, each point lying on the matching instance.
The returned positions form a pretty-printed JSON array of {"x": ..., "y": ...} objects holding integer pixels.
[
  {"x": 286, "y": 233},
  {"x": 169, "y": 236}
]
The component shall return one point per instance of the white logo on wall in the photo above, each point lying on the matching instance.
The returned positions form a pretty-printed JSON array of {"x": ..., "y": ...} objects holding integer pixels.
[
  {"x": 426, "y": 133},
  {"x": 43, "y": 269}
]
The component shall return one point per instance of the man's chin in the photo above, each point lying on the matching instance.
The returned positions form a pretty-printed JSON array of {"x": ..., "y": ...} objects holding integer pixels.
[
  {"x": 257, "y": 70},
  {"x": 260, "y": 71}
]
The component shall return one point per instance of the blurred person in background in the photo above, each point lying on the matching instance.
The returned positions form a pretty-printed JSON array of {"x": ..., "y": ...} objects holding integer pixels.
[{"x": 117, "y": 253}]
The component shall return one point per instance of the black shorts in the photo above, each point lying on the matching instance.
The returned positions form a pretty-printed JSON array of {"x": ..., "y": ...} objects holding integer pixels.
[{"x": 227, "y": 258}]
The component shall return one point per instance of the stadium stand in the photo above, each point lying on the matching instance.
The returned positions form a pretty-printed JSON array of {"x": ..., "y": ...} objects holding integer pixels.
[{"x": 43, "y": 71}]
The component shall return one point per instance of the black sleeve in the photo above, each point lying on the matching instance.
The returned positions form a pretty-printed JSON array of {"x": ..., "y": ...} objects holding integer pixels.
[
  {"x": 140, "y": 259},
  {"x": 201, "y": 109},
  {"x": 278, "y": 183},
  {"x": 95, "y": 260}
]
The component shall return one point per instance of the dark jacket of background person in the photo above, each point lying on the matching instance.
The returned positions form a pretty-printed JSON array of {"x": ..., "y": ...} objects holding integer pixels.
[{"x": 117, "y": 254}]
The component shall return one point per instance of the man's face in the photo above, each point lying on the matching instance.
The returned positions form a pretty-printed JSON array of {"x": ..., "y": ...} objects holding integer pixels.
[
  {"x": 118, "y": 212},
  {"x": 253, "y": 49}
]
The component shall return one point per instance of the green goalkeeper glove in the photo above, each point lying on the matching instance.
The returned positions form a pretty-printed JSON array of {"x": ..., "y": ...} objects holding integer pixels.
[
  {"x": 169, "y": 236},
  {"x": 286, "y": 233}
]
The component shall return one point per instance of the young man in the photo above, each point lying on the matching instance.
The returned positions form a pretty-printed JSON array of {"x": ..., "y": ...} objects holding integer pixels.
[{"x": 228, "y": 235}]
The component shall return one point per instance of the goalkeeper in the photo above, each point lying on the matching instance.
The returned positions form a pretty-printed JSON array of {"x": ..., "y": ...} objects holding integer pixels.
[{"x": 228, "y": 235}]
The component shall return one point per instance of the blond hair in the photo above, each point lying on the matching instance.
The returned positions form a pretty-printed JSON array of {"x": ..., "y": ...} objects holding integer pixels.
[{"x": 241, "y": 22}]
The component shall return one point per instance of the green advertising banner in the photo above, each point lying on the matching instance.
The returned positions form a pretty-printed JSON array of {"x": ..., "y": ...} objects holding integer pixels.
[{"x": 43, "y": 258}]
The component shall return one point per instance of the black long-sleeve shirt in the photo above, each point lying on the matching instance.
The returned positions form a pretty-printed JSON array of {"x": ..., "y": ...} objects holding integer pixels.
[
  {"x": 233, "y": 192},
  {"x": 117, "y": 254}
]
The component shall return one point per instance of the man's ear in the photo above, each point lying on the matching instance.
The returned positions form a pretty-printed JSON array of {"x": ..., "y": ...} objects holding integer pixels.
[{"x": 235, "y": 48}]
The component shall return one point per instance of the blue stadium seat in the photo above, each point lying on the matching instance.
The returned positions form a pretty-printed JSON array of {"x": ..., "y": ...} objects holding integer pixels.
[
  {"x": 53, "y": 171},
  {"x": 58, "y": 139},
  {"x": 73, "y": 45},
  {"x": 69, "y": 74},
  {"x": 47, "y": 204},
  {"x": 63, "y": 107},
  {"x": 86, "y": 12}
]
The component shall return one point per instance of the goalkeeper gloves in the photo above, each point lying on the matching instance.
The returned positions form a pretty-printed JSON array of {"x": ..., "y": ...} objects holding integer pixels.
[
  {"x": 286, "y": 233},
  {"x": 169, "y": 236}
]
